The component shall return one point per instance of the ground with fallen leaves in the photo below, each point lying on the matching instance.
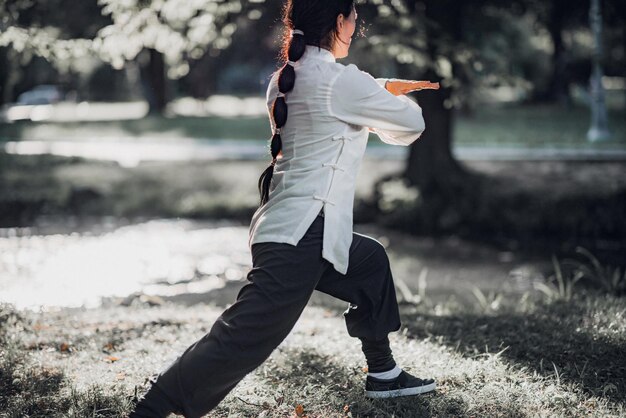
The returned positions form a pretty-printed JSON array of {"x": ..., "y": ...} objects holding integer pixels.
[{"x": 536, "y": 358}]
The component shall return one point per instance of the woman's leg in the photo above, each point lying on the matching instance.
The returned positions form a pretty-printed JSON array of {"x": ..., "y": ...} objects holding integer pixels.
[
  {"x": 373, "y": 313},
  {"x": 378, "y": 355},
  {"x": 282, "y": 280},
  {"x": 368, "y": 287}
]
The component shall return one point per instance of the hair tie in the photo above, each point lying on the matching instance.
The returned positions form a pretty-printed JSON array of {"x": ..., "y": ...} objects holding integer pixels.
[
  {"x": 298, "y": 31},
  {"x": 292, "y": 63},
  {"x": 276, "y": 131},
  {"x": 280, "y": 94}
]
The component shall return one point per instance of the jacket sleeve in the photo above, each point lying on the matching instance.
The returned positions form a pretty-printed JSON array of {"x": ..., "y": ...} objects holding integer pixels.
[{"x": 358, "y": 98}]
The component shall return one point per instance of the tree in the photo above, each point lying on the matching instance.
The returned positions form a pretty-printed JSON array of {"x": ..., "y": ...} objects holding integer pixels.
[
  {"x": 443, "y": 40},
  {"x": 557, "y": 16},
  {"x": 54, "y": 30},
  {"x": 166, "y": 34},
  {"x": 440, "y": 40},
  {"x": 427, "y": 41}
]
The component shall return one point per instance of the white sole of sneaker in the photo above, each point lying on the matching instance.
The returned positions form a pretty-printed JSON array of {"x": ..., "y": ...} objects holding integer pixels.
[{"x": 400, "y": 392}]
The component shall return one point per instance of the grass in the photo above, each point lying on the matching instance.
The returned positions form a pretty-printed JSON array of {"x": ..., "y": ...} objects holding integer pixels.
[
  {"x": 48, "y": 185},
  {"x": 35, "y": 185},
  {"x": 160, "y": 127},
  {"x": 525, "y": 201},
  {"x": 536, "y": 126},
  {"x": 33, "y": 389},
  {"x": 526, "y": 358},
  {"x": 515, "y": 126}
]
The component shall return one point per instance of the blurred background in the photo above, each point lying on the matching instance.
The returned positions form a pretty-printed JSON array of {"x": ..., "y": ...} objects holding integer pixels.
[{"x": 129, "y": 127}]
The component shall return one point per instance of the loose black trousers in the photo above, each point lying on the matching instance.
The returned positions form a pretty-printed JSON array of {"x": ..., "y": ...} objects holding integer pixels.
[{"x": 281, "y": 281}]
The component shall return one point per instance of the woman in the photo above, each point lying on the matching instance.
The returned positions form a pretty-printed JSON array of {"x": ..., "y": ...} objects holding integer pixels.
[{"x": 301, "y": 236}]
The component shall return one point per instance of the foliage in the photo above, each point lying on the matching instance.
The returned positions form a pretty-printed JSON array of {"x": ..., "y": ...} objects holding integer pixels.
[
  {"x": 559, "y": 286},
  {"x": 398, "y": 195},
  {"x": 609, "y": 278},
  {"x": 489, "y": 302},
  {"x": 569, "y": 276},
  {"x": 180, "y": 30},
  {"x": 59, "y": 31},
  {"x": 477, "y": 44},
  {"x": 468, "y": 44}
]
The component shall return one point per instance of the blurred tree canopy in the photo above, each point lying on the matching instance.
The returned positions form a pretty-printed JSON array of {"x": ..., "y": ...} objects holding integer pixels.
[
  {"x": 538, "y": 46},
  {"x": 169, "y": 34},
  {"x": 532, "y": 49}
]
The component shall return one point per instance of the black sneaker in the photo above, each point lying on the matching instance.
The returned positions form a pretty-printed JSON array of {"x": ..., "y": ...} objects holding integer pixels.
[{"x": 403, "y": 385}]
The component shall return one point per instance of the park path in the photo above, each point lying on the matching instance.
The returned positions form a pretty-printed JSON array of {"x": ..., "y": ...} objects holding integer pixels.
[{"x": 130, "y": 152}]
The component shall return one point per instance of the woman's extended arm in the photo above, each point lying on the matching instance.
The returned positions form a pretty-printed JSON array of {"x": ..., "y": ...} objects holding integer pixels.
[
  {"x": 398, "y": 87},
  {"x": 358, "y": 98}
]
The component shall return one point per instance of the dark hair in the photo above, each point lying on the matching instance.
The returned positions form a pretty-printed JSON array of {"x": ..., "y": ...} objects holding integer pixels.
[{"x": 317, "y": 19}]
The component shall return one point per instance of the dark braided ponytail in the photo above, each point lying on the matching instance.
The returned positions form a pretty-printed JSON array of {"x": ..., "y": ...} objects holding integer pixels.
[
  {"x": 286, "y": 81},
  {"x": 307, "y": 22}
]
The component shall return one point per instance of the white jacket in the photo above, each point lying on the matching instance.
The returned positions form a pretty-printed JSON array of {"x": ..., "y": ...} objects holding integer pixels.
[{"x": 330, "y": 110}]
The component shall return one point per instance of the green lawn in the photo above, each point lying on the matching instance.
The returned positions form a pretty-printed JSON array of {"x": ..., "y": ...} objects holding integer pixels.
[
  {"x": 535, "y": 126},
  {"x": 525, "y": 359},
  {"x": 149, "y": 127},
  {"x": 516, "y": 126}
]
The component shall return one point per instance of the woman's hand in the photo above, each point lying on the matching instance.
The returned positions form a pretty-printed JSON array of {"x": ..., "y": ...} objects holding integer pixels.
[{"x": 399, "y": 87}]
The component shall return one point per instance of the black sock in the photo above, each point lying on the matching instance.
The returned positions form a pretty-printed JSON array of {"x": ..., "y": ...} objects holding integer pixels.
[{"x": 378, "y": 355}]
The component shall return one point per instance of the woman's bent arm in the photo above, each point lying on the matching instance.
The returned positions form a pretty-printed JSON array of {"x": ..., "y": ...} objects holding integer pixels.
[{"x": 358, "y": 98}]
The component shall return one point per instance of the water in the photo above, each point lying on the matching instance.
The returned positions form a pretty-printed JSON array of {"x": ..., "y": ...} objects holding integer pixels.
[
  {"x": 70, "y": 269},
  {"x": 130, "y": 152},
  {"x": 63, "y": 264}
]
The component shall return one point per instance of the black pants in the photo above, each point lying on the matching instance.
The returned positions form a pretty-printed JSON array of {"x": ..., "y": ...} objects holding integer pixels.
[{"x": 281, "y": 281}]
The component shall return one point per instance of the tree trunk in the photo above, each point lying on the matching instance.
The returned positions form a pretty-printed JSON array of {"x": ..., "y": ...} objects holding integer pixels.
[
  {"x": 11, "y": 77},
  {"x": 556, "y": 90},
  {"x": 430, "y": 163},
  {"x": 153, "y": 81},
  {"x": 430, "y": 160},
  {"x": 198, "y": 84}
]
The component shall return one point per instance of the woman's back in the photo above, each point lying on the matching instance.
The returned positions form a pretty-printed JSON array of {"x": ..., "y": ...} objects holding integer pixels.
[{"x": 330, "y": 107}]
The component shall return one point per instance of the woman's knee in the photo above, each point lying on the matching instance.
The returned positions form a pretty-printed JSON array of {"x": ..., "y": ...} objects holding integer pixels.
[{"x": 377, "y": 253}]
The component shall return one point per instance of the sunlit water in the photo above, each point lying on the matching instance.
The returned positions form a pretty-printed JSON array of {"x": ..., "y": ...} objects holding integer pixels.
[
  {"x": 129, "y": 152},
  {"x": 162, "y": 257},
  {"x": 69, "y": 265},
  {"x": 68, "y": 111}
]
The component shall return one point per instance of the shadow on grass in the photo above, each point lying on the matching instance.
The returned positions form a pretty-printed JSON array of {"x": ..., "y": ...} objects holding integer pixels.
[
  {"x": 29, "y": 390},
  {"x": 40, "y": 392},
  {"x": 326, "y": 388},
  {"x": 220, "y": 297},
  {"x": 227, "y": 295},
  {"x": 559, "y": 340},
  {"x": 23, "y": 195}
]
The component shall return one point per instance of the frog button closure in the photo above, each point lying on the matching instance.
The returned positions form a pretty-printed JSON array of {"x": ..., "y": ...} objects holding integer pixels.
[
  {"x": 334, "y": 166},
  {"x": 323, "y": 199}
]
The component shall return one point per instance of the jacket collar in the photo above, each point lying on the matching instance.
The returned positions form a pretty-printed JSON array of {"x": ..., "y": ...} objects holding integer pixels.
[{"x": 312, "y": 51}]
